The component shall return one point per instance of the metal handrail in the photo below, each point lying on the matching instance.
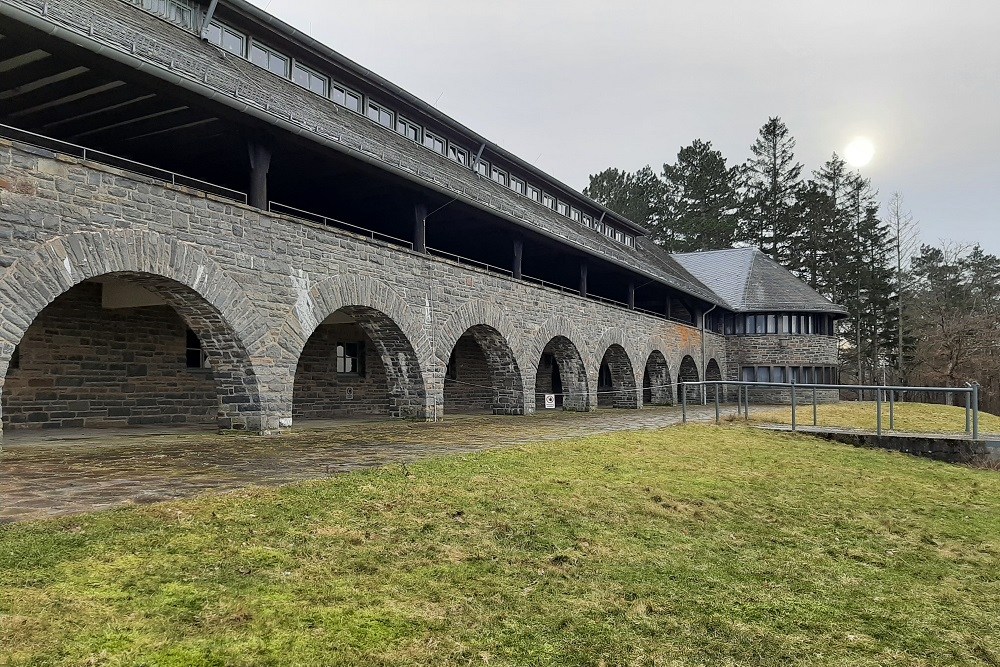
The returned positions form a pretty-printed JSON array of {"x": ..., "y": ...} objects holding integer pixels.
[
  {"x": 285, "y": 209},
  {"x": 111, "y": 160},
  {"x": 971, "y": 392}
]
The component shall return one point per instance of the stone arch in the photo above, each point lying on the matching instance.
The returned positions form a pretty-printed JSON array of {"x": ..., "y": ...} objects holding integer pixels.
[
  {"x": 561, "y": 371},
  {"x": 687, "y": 371},
  {"x": 616, "y": 386},
  {"x": 482, "y": 373},
  {"x": 400, "y": 344},
  {"x": 656, "y": 385},
  {"x": 209, "y": 301},
  {"x": 713, "y": 372}
]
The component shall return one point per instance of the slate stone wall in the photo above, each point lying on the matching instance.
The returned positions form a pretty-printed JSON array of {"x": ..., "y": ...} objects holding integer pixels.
[
  {"x": 256, "y": 286},
  {"x": 784, "y": 350}
]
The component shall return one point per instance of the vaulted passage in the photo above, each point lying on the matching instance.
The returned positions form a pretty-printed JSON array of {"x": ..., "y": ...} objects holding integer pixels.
[
  {"x": 656, "y": 386},
  {"x": 129, "y": 350},
  {"x": 688, "y": 372},
  {"x": 561, "y": 371},
  {"x": 482, "y": 375},
  {"x": 616, "y": 380},
  {"x": 713, "y": 372},
  {"x": 358, "y": 362}
]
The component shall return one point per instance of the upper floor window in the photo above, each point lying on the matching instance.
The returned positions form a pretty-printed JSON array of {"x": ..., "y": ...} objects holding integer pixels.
[
  {"x": 409, "y": 130},
  {"x": 483, "y": 167},
  {"x": 307, "y": 78},
  {"x": 630, "y": 241},
  {"x": 347, "y": 98},
  {"x": 227, "y": 39},
  {"x": 534, "y": 193},
  {"x": 562, "y": 208},
  {"x": 499, "y": 176},
  {"x": 269, "y": 59},
  {"x": 587, "y": 220},
  {"x": 459, "y": 155},
  {"x": 178, "y": 11},
  {"x": 379, "y": 114},
  {"x": 434, "y": 143},
  {"x": 517, "y": 185},
  {"x": 548, "y": 201},
  {"x": 574, "y": 214}
]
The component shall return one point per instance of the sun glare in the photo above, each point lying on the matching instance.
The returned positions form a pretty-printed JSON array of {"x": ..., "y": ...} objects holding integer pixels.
[{"x": 859, "y": 152}]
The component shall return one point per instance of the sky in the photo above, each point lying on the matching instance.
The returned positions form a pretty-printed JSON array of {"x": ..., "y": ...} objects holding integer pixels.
[{"x": 576, "y": 86}]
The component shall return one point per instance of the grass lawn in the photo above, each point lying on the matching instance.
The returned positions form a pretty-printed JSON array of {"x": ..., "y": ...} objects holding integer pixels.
[
  {"x": 694, "y": 545},
  {"x": 910, "y": 417}
]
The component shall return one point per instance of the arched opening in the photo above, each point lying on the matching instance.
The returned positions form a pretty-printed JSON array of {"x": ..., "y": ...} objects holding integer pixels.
[
  {"x": 688, "y": 372},
  {"x": 713, "y": 372},
  {"x": 358, "y": 362},
  {"x": 561, "y": 372},
  {"x": 656, "y": 386},
  {"x": 616, "y": 380},
  {"x": 126, "y": 350},
  {"x": 482, "y": 375}
]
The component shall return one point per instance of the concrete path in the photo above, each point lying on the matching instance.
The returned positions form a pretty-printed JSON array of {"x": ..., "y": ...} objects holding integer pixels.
[{"x": 53, "y": 473}]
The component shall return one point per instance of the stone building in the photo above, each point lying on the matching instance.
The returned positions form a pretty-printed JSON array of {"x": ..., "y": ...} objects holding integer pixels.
[{"x": 208, "y": 217}]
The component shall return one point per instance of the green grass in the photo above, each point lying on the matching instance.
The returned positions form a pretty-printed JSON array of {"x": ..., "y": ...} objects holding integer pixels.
[
  {"x": 909, "y": 417},
  {"x": 696, "y": 545}
]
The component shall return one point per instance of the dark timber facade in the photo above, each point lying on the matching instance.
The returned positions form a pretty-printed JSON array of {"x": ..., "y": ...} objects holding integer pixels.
[{"x": 206, "y": 216}]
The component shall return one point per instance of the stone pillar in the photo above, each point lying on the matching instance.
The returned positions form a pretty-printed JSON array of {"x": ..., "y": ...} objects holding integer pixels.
[
  {"x": 260, "y": 164},
  {"x": 420, "y": 228},
  {"x": 518, "y": 258},
  {"x": 631, "y": 296},
  {"x": 583, "y": 279}
]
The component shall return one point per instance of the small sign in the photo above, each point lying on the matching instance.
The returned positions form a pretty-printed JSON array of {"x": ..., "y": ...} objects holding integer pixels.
[
  {"x": 350, "y": 393},
  {"x": 550, "y": 401}
]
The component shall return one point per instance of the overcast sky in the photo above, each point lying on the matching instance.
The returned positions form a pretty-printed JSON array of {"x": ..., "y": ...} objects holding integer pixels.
[{"x": 575, "y": 86}]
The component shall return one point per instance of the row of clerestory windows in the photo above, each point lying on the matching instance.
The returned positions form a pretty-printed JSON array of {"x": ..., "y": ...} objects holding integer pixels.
[
  {"x": 818, "y": 324},
  {"x": 796, "y": 374},
  {"x": 227, "y": 38}
]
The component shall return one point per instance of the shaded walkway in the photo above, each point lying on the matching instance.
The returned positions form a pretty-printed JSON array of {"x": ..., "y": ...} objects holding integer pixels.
[{"x": 42, "y": 476}]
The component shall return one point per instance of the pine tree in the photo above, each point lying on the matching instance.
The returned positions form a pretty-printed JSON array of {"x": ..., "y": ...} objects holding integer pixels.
[
  {"x": 773, "y": 179},
  {"x": 637, "y": 196},
  {"x": 701, "y": 201}
]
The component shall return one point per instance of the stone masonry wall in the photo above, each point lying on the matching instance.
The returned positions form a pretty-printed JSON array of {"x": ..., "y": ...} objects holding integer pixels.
[
  {"x": 471, "y": 389},
  {"x": 784, "y": 350},
  {"x": 256, "y": 286},
  {"x": 82, "y": 366}
]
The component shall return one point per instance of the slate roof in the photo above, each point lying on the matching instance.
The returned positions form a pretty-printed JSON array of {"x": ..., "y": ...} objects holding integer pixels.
[{"x": 747, "y": 280}]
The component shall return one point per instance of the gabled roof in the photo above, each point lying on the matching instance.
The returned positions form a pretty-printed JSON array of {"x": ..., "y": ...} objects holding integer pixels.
[{"x": 747, "y": 280}]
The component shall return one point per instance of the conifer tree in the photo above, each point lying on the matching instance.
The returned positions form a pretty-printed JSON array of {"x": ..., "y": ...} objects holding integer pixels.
[
  {"x": 701, "y": 201},
  {"x": 773, "y": 179}
]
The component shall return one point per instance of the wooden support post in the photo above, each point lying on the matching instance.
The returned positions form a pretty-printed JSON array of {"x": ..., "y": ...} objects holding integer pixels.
[
  {"x": 420, "y": 228},
  {"x": 518, "y": 258},
  {"x": 260, "y": 164},
  {"x": 583, "y": 279},
  {"x": 631, "y": 296}
]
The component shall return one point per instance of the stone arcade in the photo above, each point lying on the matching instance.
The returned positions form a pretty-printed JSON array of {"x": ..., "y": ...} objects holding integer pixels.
[{"x": 261, "y": 231}]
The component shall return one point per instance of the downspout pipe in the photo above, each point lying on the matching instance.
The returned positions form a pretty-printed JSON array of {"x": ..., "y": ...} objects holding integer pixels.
[{"x": 704, "y": 369}]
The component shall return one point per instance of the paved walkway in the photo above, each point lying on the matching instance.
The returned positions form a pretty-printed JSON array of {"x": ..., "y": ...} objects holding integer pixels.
[{"x": 53, "y": 473}]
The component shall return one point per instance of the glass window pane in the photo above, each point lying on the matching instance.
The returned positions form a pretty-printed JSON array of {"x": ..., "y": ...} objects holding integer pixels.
[
  {"x": 258, "y": 56},
  {"x": 234, "y": 43},
  {"x": 215, "y": 34},
  {"x": 772, "y": 326},
  {"x": 779, "y": 373},
  {"x": 353, "y": 102},
  {"x": 763, "y": 374},
  {"x": 749, "y": 374}
]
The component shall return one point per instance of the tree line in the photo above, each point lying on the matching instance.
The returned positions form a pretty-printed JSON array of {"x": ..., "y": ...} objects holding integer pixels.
[{"x": 917, "y": 313}]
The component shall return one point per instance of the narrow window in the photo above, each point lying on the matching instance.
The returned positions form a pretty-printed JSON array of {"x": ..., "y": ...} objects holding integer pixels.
[
  {"x": 194, "y": 354},
  {"x": 562, "y": 208},
  {"x": 483, "y": 168},
  {"x": 408, "y": 129},
  {"x": 517, "y": 185},
  {"x": 534, "y": 193},
  {"x": 750, "y": 326},
  {"x": 350, "y": 358},
  {"x": 379, "y": 114},
  {"x": 760, "y": 325},
  {"x": 346, "y": 98},
  {"x": 749, "y": 374},
  {"x": 269, "y": 59},
  {"x": 434, "y": 143},
  {"x": 307, "y": 78},
  {"x": 763, "y": 374},
  {"x": 499, "y": 176},
  {"x": 783, "y": 327},
  {"x": 548, "y": 201},
  {"x": 459, "y": 155},
  {"x": 630, "y": 241},
  {"x": 575, "y": 214},
  {"x": 796, "y": 375},
  {"x": 587, "y": 220},
  {"x": 772, "y": 326},
  {"x": 227, "y": 39},
  {"x": 778, "y": 372}
]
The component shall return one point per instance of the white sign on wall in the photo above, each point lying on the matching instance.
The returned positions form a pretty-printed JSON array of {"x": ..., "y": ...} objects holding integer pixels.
[{"x": 550, "y": 401}]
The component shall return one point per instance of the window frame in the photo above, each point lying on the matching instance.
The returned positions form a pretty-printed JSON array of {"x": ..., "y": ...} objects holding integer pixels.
[
  {"x": 500, "y": 176},
  {"x": 271, "y": 52},
  {"x": 313, "y": 74},
  {"x": 381, "y": 111},
  {"x": 341, "y": 357},
  {"x": 336, "y": 87},
  {"x": 515, "y": 182},
  {"x": 223, "y": 30},
  {"x": 195, "y": 357},
  {"x": 534, "y": 193},
  {"x": 458, "y": 151},
  {"x": 408, "y": 124},
  {"x": 434, "y": 139}
]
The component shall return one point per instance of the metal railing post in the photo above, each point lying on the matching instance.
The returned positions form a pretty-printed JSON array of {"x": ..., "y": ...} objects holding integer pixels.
[
  {"x": 968, "y": 410},
  {"x": 746, "y": 403},
  {"x": 684, "y": 403},
  {"x": 739, "y": 401},
  {"x": 794, "y": 408},
  {"x": 717, "y": 404},
  {"x": 815, "y": 416},
  {"x": 975, "y": 411},
  {"x": 892, "y": 409},
  {"x": 878, "y": 410}
]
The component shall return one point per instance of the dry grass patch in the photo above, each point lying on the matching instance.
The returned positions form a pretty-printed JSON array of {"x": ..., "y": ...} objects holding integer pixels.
[{"x": 909, "y": 417}]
